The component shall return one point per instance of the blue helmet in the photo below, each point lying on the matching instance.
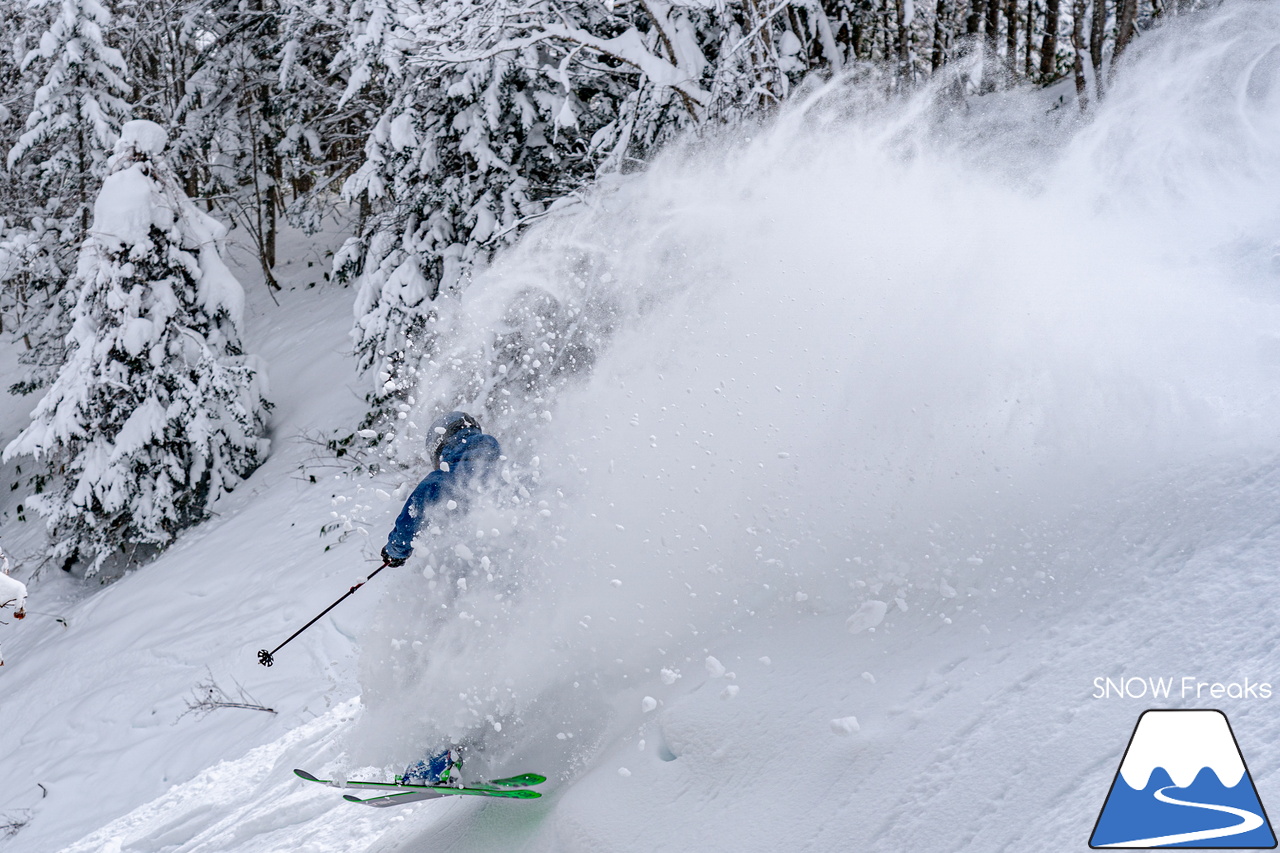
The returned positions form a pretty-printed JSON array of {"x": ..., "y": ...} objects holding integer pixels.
[{"x": 443, "y": 429}]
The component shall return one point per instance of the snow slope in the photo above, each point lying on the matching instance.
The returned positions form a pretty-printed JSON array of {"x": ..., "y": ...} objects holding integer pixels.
[{"x": 999, "y": 382}]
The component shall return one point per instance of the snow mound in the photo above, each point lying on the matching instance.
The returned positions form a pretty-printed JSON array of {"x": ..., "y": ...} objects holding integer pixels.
[
  {"x": 125, "y": 210},
  {"x": 13, "y": 593},
  {"x": 845, "y": 725},
  {"x": 144, "y": 137}
]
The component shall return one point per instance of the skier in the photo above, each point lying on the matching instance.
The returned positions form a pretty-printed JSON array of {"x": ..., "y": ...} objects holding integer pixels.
[{"x": 463, "y": 458}]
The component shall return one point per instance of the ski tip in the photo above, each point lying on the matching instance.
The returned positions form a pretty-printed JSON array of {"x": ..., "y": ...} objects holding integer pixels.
[
  {"x": 302, "y": 774},
  {"x": 351, "y": 798},
  {"x": 520, "y": 781}
]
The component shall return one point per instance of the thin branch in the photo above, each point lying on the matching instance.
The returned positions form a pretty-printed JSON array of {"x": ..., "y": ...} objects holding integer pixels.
[
  {"x": 208, "y": 696},
  {"x": 617, "y": 48},
  {"x": 12, "y": 822},
  {"x": 758, "y": 27}
]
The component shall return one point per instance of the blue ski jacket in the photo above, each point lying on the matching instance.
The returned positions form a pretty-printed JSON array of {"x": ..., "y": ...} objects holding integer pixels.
[{"x": 467, "y": 455}]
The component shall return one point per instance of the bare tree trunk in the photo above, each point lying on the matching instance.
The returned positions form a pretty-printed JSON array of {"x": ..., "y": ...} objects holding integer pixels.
[
  {"x": 993, "y": 26},
  {"x": 941, "y": 17},
  {"x": 274, "y": 170},
  {"x": 1126, "y": 26},
  {"x": 1080, "y": 9},
  {"x": 275, "y": 203},
  {"x": 1011, "y": 35},
  {"x": 764, "y": 58},
  {"x": 1097, "y": 41},
  {"x": 1049, "y": 47},
  {"x": 886, "y": 35},
  {"x": 906, "y": 61},
  {"x": 82, "y": 185},
  {"x": 1027, "y": 65}
]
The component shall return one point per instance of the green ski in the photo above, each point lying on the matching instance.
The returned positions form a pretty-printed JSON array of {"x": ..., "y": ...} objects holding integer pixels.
[{"x": 395, "y": 793}]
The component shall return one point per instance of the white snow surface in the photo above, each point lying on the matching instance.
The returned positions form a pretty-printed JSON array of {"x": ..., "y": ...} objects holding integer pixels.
[{"x": 872, "y": 355}]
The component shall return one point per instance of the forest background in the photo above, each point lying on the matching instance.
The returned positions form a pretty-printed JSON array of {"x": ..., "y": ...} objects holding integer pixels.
[{"x": 435, "y": 131}]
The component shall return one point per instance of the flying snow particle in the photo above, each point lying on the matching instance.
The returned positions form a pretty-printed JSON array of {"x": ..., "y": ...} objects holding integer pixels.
[
  {"x": 623, "y": 772},
  {"x": 845, "y": 725},
  {"x": 868, "y": 616},
  {"x": 715, "y": 668},
  {"x": 648, "y": 703}
]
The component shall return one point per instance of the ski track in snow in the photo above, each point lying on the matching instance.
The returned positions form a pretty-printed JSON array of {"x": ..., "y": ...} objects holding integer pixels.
[{"x": 247, "y": 802}]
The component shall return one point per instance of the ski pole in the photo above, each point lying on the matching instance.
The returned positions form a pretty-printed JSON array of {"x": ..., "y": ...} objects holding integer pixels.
[{"x": 266, "y": 658}]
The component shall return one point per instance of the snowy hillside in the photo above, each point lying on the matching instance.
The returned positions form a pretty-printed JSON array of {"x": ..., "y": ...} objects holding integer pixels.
[{"x": 886, "y": 434}]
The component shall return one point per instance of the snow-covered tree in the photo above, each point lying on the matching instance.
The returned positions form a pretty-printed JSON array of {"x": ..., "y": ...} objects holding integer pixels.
[
  {"x": 78, "y": 110},
  {"x": 493, "y": 112},
  {"x": 32, "y": 300},
  {"x": 70, "y": 123},
  {"x": 157, "y": 411},
  {"x": 256, "y": 125}
]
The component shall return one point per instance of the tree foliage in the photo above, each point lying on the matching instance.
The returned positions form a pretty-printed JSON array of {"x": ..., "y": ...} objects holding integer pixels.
[
  {"x": 440, "y": 128},
  {"x": 156, "y": 412}
]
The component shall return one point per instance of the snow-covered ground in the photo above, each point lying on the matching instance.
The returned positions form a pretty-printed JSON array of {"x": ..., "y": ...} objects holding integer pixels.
[{"x": 903, "y": 428}]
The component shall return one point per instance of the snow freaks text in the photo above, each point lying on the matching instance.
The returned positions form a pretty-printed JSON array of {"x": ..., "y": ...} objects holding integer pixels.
[{"x": 1185, "y": 687}]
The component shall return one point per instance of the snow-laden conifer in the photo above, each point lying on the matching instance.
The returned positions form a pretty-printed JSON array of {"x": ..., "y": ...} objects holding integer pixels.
[
  {"x": 68, "y": 94},
  {"x": 157, "y": 411},
  {"x": 79, "y": 108},
  {"x": 485, "y": 125}
]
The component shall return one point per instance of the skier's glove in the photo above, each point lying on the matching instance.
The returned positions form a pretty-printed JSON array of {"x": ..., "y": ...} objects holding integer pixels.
[{"x": 393, "y": 561}]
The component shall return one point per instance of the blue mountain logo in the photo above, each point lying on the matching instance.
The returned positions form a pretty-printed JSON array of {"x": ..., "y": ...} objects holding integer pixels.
[{"x": 1183, "y": 783}]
